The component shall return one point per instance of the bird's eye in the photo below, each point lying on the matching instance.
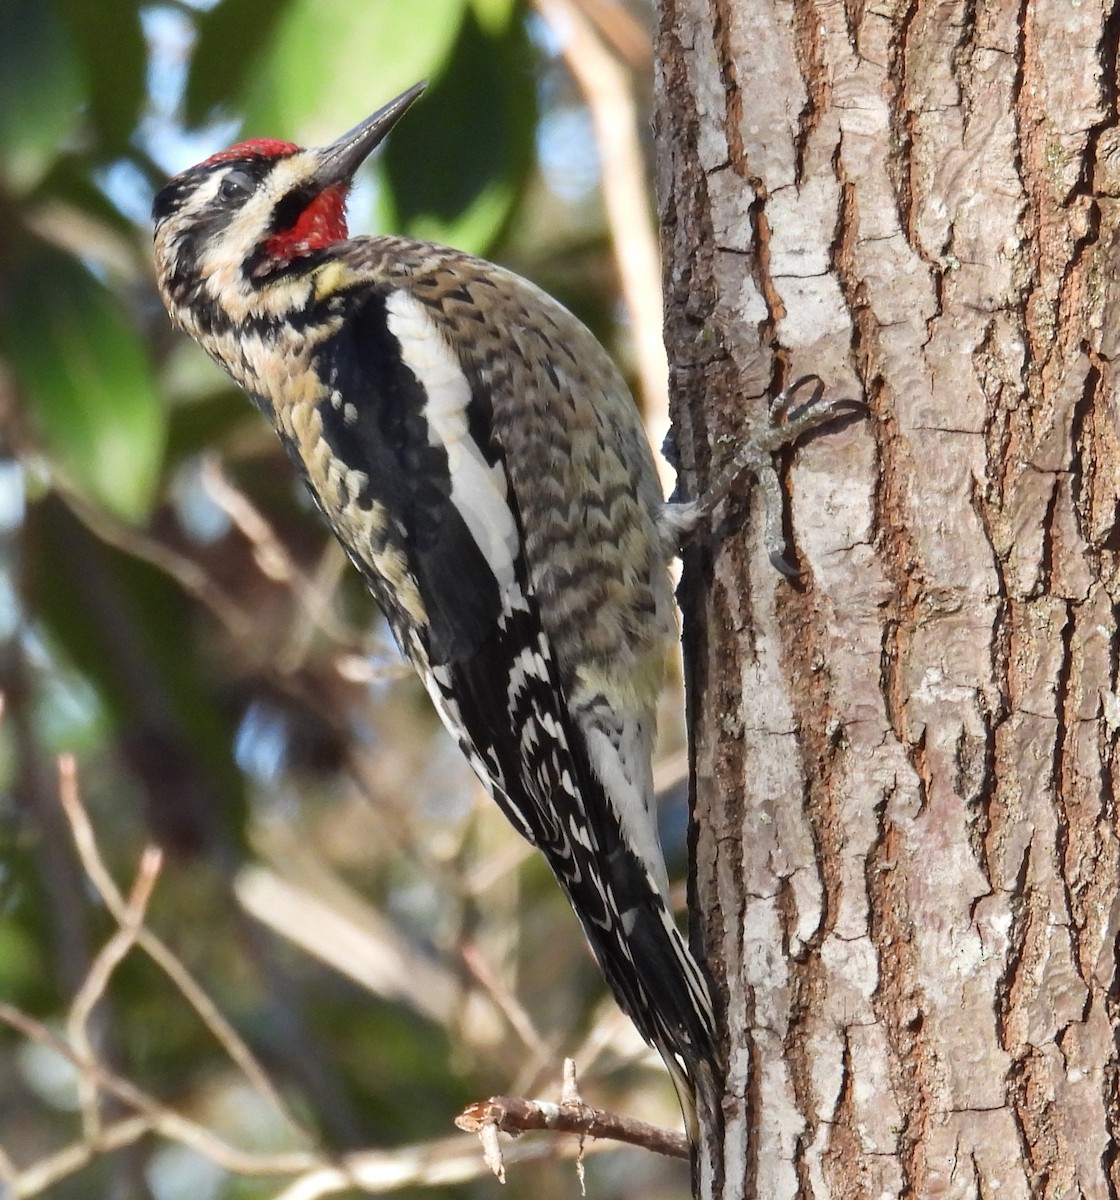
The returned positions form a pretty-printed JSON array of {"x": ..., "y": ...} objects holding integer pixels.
[{"x": 236, "y": 185}]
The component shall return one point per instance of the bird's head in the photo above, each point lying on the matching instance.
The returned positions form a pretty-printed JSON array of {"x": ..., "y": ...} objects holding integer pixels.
[{"x": 252, "y": 215}]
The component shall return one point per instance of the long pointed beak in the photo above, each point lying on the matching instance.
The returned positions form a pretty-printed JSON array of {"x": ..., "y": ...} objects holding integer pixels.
[{"x": 339, "y": 160}]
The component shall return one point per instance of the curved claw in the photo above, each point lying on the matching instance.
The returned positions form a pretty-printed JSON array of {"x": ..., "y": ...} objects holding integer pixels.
[
  {"x": 788, "y": 423},
  {"x": 783, "y": 402},
  {"x": 785, "y": 566},
  {"x": 831, "y": 409}
]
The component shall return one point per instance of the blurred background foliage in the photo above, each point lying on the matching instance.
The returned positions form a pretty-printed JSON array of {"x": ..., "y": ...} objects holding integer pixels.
[{"x": 173, "y": 613}]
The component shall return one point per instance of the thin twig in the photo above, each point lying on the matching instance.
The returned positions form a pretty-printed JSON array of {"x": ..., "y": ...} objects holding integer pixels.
[
  {"x": 323, "y": 583},
  {"x": 159, "y": 952},
  {"x": 271, "y": 555},
  {"x": 269, "y": 552},
  {"x": 431, "y": 1164},
  {"x": 613, "y": 1031},
  {"x": 97, "y": 979},
  {"x": 351, "y": 938},
  {"x": 315, "y": 594},
  {"x": 312, "y": 1174},
  {"x": 605, "y": 84},
  {"x": 434, "y": 1164},
  {"x": 46, "y": 1172},
  {"x": 76, "y": 231},
  {"x": 9, "y": 1173},
  {"x": 621, "y": 30},
  {"x": 182, "y": 569},
  {"x": 163, "y": 1120},
  {"x": 506, "y": 1002}
]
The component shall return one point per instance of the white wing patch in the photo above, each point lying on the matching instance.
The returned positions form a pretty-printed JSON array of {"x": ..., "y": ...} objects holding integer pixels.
[
  {"x": 622, "y": 768},
  {"x": 478, "y": 490}
]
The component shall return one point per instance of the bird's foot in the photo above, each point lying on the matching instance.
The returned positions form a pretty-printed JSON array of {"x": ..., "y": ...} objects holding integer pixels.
[{"x": 789, "y": 422}]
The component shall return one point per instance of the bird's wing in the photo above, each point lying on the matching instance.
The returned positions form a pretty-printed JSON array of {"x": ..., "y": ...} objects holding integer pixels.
[{"x": 424, "y": 429}]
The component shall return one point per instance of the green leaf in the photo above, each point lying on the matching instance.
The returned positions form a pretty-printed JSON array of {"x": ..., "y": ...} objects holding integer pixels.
[
  {"x": 71, "y": 182},
  {"x": 83, "y": 371},
  {"x": 233, "y": 38},
  {"x": 494, "y": 15},
  {"x": 42, "y": 90},
  {"x": 308, "y": 81},
  {"x": 20, "y": 961},
  {"x": 129, "y": 630},
  {"x": 326, "y": 64},
  {"x": 114, "y": 55},
  {"x": 477, "y": 121}
]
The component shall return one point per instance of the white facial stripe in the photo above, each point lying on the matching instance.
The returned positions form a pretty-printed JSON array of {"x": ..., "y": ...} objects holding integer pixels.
[
  {"x": 478, "y": 490},
  {"x": 220, "y": 264},
  {"x": 207, "y": 191},
  {"x": 250, "y": 223}
]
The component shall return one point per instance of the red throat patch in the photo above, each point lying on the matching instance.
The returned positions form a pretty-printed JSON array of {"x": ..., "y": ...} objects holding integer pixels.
[{"x": 321, "y": 224}]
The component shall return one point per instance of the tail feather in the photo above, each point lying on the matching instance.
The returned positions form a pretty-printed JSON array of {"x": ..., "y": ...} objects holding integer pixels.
[
  {"x": 659, "y": 984},
  {"x": 532, "y": 756}
]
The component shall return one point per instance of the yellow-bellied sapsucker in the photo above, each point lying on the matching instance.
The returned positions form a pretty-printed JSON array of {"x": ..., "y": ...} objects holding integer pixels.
[{"x": 483, "y": 464}]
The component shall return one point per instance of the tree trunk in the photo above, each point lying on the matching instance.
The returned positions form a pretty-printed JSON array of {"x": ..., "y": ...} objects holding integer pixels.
[{"x": 907, "y": 863}]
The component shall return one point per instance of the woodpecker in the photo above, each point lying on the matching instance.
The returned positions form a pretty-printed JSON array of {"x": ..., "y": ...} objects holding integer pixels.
[{"x": 483, "y": 464}]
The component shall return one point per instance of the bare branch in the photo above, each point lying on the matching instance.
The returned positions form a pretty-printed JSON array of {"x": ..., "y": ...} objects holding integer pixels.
[
  {"x": 622, "y": 31},
  {"x": 514, "y": 1115},
  {"x": 312, "y": 1174},
  {"x": 612, "y": 1031},
  {"x": 507, "y": 1003},
  {"x": 159, "y": 952},
  {"x": 434, "y": 1164},
  {"x": 348, "y": 935},
  {"x": 272, "y": 556},
  {"x": 9, "y": 1173},
  {"x": 163, "y": 1120},
  {"x": 134, "y": 542},
  {"x": 44, "y": 1174},
  {"x": 97, "y": 981},
  {"x": 605, "y": 84}
]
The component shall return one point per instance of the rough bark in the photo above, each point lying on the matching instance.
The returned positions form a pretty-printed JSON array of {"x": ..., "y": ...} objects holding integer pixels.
[{"x": 907, "y": 849}]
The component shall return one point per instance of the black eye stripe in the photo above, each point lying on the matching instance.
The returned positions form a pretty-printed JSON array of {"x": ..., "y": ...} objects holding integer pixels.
[
  {"x": 237, "y": 184},
  {"x": 241, "y": 178},
  {"x": 247, "y": 172}
]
